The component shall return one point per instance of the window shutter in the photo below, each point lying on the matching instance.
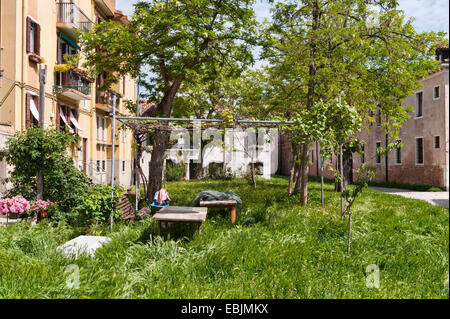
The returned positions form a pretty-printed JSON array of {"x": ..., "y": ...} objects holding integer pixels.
[
  {"x": 104, "y": 129},
  {"x": 28, "y": 34},
  {"x": 36, "y": 101},
  {"x": 37, "y": 41},
  {"x": 27, "y": 110}
]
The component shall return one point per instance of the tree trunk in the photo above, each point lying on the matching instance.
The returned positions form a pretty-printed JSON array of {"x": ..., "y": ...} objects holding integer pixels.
[
  {"x": 198, "y": 170},
  {"x": 161, "y": 138},
  {"x": 157, "y": 162},
  {"x": 347, "y": 172},
  {"x": 294, "y": 168},
  {"x": 304, "y": 175}
]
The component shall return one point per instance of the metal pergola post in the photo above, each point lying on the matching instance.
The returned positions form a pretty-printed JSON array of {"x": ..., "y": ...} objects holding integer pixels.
[
  {"x": 113, "y": 155},
  {"x": 137, "y": 177}
]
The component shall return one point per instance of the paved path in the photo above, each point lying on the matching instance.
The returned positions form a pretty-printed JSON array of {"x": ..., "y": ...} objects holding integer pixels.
[{"x": 434, "y": 198}]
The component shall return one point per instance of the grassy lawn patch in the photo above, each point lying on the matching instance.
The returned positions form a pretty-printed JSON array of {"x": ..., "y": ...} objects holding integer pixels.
[{"x": 277, "y": 249}]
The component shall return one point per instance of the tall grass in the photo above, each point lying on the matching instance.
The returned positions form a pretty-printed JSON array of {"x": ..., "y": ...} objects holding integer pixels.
[{"x": 276, "y": 249}]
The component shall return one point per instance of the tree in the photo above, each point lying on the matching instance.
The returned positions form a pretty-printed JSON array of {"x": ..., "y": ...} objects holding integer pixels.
[
  {"x": 173, "y": 41},
  {"x": 365, "y": 174},
  {"x": 319, "y": 48},
  {"x": 37, "y": 149}
]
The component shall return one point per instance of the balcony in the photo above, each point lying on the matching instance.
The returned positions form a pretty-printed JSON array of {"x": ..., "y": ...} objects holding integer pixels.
[
  {"x": 104, "y": 100},
  {"x": 71, "y": 18},
  {"x": 73, "y": 85}
]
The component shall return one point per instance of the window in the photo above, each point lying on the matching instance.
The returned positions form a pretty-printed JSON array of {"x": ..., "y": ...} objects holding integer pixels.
[
  {"x": 32, "y": 109},
  {"x": 104, "y": 129},
  {"x": 123, "y": 166},
  {"x": 378, "y": 159},
  {"x": 87, "y": 105},
  {"x": 436, "y": 92},
  {"x": 104, "y": 165},
  {"x": 437, "y": 142},
  {"x": 33, "y": 36},
  {"x": 312, "y": 156},
  {"x": 99, "y": 134},
  {"x": 419, "y": 150},
  {"x": 419, "y": 104},
  {"x": 124, "y": 86},
  {"x": 398, "y": 154},
  {"x": 98, "y": 166}
]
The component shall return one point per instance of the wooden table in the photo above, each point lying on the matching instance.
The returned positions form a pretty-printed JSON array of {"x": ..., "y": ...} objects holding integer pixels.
[
  {"x": 196, "y": 215},
  {"x": 230, "y": 204}
]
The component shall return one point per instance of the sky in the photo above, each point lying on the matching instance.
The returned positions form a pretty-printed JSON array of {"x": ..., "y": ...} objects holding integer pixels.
[{"x": 429, "y": 15}]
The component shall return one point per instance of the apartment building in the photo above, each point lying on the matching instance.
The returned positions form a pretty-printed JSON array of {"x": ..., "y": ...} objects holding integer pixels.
[
  {"x": 42, "y": 32},
  {"x": 424, "y": 158}
]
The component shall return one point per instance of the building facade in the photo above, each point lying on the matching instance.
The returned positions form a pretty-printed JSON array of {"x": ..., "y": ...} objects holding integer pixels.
[{"x": 44, "y": 32}]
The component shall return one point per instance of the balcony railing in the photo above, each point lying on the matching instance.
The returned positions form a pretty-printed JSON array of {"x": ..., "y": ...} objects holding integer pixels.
[
  {"x": 70, "y": 13},
  {"x": 104, "y": 97},
  {"x": 72, "y": 81}
]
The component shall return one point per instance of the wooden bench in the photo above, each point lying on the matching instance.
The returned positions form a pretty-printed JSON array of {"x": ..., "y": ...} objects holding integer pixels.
[
  {"x": 230, "y": 204},
  {"x": 129, "y": 213},
  {"x": 179, "y": 214}
]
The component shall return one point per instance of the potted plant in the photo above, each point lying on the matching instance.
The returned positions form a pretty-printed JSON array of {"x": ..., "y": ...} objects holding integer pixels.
[
  {"x": 36, "y": 58},
  {"x": 16, "y": 206},
  {"x": 62, "y": 67},
  {"x": 41, "y": 207}
]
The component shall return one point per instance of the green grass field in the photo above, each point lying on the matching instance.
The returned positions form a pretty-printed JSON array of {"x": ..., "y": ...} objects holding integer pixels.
[{"x": 277, "y": 249}]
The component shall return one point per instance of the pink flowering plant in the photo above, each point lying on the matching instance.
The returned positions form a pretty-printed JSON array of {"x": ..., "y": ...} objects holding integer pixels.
[
  {"x": 15, "y": 205},
  {"x": 41, "y": 205}
]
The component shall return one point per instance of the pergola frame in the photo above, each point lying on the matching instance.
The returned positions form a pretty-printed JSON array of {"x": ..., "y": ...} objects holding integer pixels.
[{"x": 126, "y": 119}]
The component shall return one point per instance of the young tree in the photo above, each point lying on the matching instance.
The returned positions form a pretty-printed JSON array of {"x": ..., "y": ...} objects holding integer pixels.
[
  {"x": 173, "y": 41},
  {"x": 319, "y": 48}
]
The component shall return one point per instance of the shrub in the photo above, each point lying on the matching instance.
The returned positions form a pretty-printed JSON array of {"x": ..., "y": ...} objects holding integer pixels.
[
  {"x": 216, "y": 171},
  {"x": 174, "y": 171},
  {"x": 42, "y": 150},
  {"x": 97, "y": 206}
]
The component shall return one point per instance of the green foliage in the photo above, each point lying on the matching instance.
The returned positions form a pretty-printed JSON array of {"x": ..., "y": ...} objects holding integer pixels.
[
  {"x": 217, "y": 172},
  {"x": 97, "y": 205},
  {"x": 174, "y": 41},
  {"x": 174, "y": 171},
  {"x": 46, "y": 151},
  {"x": 365, "y": 174},
  {"x": 72, "y": 59}
]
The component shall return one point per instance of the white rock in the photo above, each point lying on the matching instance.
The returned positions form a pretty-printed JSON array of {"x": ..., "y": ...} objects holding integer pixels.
[{"x": 83, "y": 244}]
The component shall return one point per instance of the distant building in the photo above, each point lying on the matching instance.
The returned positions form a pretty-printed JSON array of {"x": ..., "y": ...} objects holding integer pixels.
[{"x": 424, "y": 158}]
